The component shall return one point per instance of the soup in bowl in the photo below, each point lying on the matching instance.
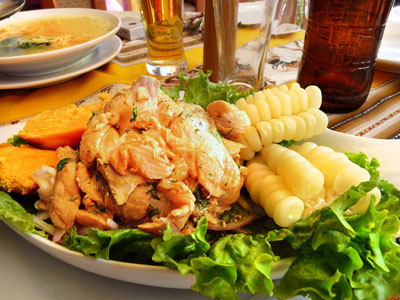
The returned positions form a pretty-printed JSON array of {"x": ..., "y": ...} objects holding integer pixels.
[{"x": 44, "y": 41}]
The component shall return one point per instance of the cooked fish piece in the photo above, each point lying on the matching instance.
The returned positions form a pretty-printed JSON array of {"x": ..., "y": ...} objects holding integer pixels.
[
  {"x": 144, "y": 155},
  {"x": 175, "y": 205},
  {"x": 142, "y": 95},
  {"x": 229, "y": 120},
  {"x": 205, "y": 150},
  {"x": 121, "y": 186},
  {"x": 66, "y": 197},
  {"x": 137, "y": 206},
  {"x": 92, "y": 219},
  {"x": 89, "y": 184},
  {"x": 99, "y": 135}
]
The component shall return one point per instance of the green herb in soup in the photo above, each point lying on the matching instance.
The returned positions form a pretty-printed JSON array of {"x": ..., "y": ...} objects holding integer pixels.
[{"x": 51, "y": 33}]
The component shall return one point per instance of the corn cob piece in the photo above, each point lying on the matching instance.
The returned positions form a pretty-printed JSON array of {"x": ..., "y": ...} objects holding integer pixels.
[
  {"x": 302, "y": 178},
  {"x": 270, "y": 191},
  {"x": 339, "y": 172},
  {"x": 280, "y": 101},
  {"x": 280, "y": 113},
  {"x": 295, "y": 127}
]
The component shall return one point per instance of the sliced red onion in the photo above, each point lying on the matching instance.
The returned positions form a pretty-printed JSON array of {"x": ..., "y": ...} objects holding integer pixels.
[
  {"x": 50, "y": 229},
  {"x": 244, "y": 220},
  {"x": 58, "y": 234},
  {"x": 113, "y": 225},
  {"x": 175, "y": 229},
  {"x": 35, "y": 205},
  {"x": 43, "y": 215},
  {"x": 82, "y": 230}
]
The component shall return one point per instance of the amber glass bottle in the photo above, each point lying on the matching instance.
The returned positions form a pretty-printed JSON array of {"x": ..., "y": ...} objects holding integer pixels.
[{"x": 340, "y": 49}]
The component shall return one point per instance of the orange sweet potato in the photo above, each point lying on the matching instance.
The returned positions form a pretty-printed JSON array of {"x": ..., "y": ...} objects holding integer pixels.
[
  {"x": 17, "y": 165},
  {"x": 60, "y": 127}
]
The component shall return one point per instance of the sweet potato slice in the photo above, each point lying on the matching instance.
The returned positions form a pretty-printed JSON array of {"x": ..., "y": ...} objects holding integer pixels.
[
  {"x": 17, "y": 165},
  {"x": 60, "y": 127}
]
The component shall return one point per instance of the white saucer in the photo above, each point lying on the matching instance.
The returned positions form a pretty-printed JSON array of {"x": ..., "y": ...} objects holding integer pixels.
[
  {"x": 389, "y": 53},
  {"x": 250, "y": 13},
  {"x": 104, "y": 53}
]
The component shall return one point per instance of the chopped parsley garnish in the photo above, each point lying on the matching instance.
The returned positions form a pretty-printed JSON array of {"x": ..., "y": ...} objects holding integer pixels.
[
  {"x": 134, "y": 114},
  {"x": 287, "y": 143},
  {"x": 229, "y": 132},
  {"x": 17, "y": 141},
  {"x": 61, "y": 164},
  {"x": 154, "y": 212},
  {"x": 153, "y": 192},
  {"x": 226, "y": 216},
  {"x": 36, "y": 42},
  {"x": 201, "y": 202},
  {"x": 218, "y": 136},
  {"x": 100, "y": 208}
]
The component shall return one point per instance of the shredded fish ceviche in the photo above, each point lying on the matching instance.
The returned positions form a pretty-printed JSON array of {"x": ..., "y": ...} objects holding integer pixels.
[{"x": 219, "y": 184}]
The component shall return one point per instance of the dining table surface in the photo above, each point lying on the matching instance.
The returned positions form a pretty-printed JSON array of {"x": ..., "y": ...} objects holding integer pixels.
[{"x": 29, "y": 273}]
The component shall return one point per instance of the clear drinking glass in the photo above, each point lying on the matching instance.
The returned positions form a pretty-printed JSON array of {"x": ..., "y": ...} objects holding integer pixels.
[
  {"x": 242, "y": 64},
  {"x": 163, "y": 24}
]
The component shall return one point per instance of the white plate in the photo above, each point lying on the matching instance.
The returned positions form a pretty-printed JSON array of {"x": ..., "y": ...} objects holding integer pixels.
[
  {"x": 386, "y": 151},
  {"x": 134, "y": 273},
  {"x": 53, "y": 61},
  {"x": 389, "y": 52},
  {"x": 394, "y": 15},
  {"x": 250, "y": 13},
  {"x": 101, "y": 55}
]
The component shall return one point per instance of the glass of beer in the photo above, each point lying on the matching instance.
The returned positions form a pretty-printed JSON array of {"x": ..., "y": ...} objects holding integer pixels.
[
  {"x": 163, "y": 24},
  {"x": 340, "y": 49}
]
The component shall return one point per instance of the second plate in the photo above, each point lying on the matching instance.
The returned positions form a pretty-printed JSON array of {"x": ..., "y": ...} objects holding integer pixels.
[{"x": 104, "y": 53}]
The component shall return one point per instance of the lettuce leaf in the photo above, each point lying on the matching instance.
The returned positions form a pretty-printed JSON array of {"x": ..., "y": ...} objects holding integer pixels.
[
  {"x": 177, "y": 250},
  {"x": 17, "y": 141},
  {"x": 235, "y": 263},
  {"x": 133, "y": 245},
  {"x": 17, "y": 216},
  {"x": 174, "y": 92},
  {"x": 361, "y": 159},
  {"x": 345, "y": 257},
  {"x": 390, "y": 195},
  {"x": 201, "y": 91}
]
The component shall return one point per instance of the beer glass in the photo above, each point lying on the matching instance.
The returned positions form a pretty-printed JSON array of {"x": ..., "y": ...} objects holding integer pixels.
[
  {"x": 163, "y": 24},
  {"x": 340, "y": 49}
]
